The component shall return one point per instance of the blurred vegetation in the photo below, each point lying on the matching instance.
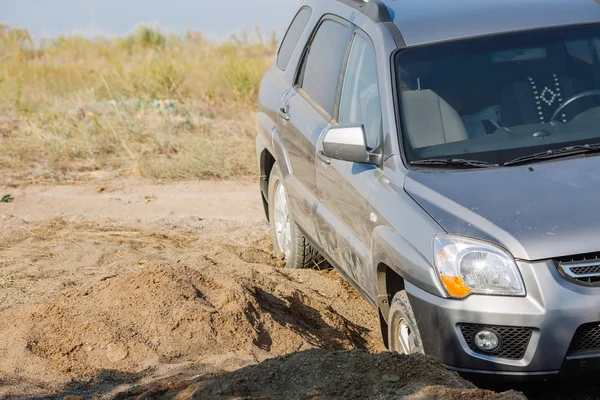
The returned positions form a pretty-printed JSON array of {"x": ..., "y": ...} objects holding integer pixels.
[{"x": 151, "y": 103}]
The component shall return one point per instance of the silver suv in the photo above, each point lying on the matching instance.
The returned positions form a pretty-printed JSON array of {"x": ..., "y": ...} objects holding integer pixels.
[{"x": 442, "y": 156}]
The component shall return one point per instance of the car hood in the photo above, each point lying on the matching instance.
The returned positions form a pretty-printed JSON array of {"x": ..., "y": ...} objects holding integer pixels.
[{"x": 549, "y": 210}]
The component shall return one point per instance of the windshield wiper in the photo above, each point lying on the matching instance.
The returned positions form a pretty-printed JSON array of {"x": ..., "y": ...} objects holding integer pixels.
[
  {"x": 551, "y": 154},
  {"x": 456, "y": 162}
]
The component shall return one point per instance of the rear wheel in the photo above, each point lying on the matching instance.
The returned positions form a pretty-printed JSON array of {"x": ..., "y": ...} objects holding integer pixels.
[
  {"x": 288, "y": 240},
  {"x": 403, "y": 333}
]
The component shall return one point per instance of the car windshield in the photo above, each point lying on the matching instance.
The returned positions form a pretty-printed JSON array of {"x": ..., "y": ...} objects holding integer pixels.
[{"x": 498, "y": 98}]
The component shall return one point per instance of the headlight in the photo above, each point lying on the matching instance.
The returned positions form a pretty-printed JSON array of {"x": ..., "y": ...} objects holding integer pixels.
[{"x": 468, "y": 266}]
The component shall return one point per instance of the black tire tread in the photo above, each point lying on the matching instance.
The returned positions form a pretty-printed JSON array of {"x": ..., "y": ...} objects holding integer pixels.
[
  {"x": 401, "y": 302},
  {"x": 308, "y": 256}
]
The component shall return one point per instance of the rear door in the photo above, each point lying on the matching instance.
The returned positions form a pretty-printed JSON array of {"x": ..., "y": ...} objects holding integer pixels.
[
  {"x": 307, "y": 110},
  {"x": 344, "y": 217}
]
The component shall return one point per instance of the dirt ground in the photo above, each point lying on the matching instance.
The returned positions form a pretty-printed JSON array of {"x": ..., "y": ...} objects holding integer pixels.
[{"x": 121, "y": 288}]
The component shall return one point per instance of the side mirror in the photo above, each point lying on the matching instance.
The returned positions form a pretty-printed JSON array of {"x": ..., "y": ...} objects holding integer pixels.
[{"x": 348, "y": 143}]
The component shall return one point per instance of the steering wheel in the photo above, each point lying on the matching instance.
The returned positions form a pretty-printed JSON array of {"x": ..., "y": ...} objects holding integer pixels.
[{"x": 573, "y": 99}]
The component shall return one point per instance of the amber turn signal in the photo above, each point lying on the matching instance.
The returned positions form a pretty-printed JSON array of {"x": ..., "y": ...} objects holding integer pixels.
[{"x": 455, "y": 286}]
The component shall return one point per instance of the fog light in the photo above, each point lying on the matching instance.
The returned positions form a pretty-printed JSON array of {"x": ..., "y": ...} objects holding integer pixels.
[{"x": 487, "y": 340}]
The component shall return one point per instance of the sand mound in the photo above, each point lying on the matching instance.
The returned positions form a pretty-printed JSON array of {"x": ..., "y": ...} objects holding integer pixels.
[
  {"x": 207, "y": 298},
  {"x": 171, "y": 313},
  {"x": 317, "y": 374}
]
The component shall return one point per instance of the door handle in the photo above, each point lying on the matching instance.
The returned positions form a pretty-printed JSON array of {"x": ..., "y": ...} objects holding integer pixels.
[
  {"x": 284, "y": 112},
  {"x": 323, "y": 157}
]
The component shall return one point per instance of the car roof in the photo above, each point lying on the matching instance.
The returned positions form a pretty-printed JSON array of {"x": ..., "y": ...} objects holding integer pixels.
[{"x": 431, "y": 21}]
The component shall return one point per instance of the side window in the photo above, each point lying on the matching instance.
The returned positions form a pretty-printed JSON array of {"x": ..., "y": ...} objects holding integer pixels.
[
  {"x": 291, "y": 37},
  {"x": 323, "y": 64},
  {"x": 581, "y": 50},
  {"x": 359, "y": 103}
]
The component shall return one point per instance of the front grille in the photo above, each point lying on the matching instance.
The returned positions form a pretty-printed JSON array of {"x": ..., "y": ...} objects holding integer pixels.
[
  {"x": 582, "y": 269},
  {"x": 586, "y": 270},
  {"x": 587, "y": 337},
  {"x": 513, "y": 340}
]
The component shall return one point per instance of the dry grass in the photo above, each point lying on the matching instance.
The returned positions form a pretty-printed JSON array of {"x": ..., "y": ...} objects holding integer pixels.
[{"x": 155, "y": 105}]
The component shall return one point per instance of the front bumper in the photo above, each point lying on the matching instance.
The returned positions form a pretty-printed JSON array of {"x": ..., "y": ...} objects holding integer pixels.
[{"x": 554, "y": 308}]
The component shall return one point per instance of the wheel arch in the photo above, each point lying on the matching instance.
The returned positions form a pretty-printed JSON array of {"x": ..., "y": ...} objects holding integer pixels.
[
  {"x": 397, "y": 262},
  {"x": 275, "y": 152},
  {"x": 266, "y": 162},
  {"x": 389, "y": 282}
]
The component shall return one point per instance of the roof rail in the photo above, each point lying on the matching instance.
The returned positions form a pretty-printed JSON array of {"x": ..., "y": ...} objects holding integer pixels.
[{"x": 374, "y": 9}]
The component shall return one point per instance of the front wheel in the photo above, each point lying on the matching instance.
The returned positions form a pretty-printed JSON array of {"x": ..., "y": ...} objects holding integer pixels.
[
  {"x": 403, "y": 333},
  {"x": 288, "y": 241}
]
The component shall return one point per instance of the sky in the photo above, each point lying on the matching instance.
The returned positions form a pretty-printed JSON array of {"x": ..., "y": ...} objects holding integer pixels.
[{"x": 217, "y": 18}]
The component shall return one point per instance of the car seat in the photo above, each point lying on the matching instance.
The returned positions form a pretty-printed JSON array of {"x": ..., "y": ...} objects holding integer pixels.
[{"x": 430, "y": 120}]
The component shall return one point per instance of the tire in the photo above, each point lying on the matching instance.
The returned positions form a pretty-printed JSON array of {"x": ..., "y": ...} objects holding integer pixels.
[
  {"x": 401, "y": 315},
  {"x": 300, "y": 254}
]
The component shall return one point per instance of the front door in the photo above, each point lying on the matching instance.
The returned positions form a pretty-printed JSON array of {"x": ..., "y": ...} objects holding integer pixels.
[{"x": 344, "y": 218}]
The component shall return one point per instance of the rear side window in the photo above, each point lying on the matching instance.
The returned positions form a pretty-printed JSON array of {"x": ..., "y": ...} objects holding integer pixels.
[
  {"x": 323, "y": 64},
  {"x": 291, "y": 37}
]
